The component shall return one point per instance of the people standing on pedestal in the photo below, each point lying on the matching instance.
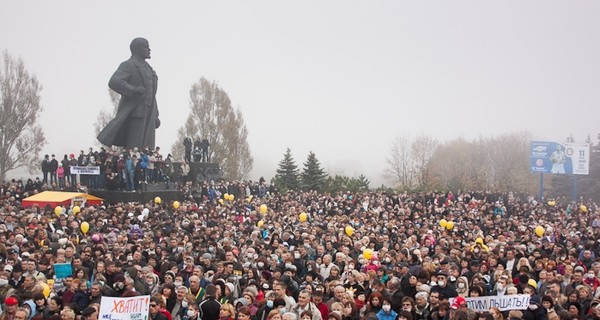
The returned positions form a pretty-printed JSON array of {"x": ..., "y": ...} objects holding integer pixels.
[
  {"x": 187, "y": 144},
  {"x": 53, "y": 168},
  {"x": 197, "y": 151},
  {"x": 46, "y": 167},
  {"x": 204, "y": 146}
]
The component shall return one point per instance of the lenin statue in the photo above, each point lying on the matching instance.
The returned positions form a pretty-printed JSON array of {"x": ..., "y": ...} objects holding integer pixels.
[{"x": 137, "y": 116}]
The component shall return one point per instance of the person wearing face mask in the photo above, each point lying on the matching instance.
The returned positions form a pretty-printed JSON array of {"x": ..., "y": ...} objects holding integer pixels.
[
  {"x": 300, "y": 264},
  {"x": 180, "y": 306},
  {"x": 386, "y": 312},
  {"x": 5, "y": 288},
  {"x": 462, "y": 286},
  {"x": 443, "y": 287},
  {"x": 500, "y": 289},
  {"x": 272, "y": 304},
  {"x": 193, "y": 313}
]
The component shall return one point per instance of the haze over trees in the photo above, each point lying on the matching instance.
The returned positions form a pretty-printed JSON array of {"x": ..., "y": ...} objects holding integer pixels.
[
  {"x": 499, "y": 164},
  {"x": 213, "y": 118},
  {"x": 21, "y": 137},
  {"x": 313, "y": 177}
]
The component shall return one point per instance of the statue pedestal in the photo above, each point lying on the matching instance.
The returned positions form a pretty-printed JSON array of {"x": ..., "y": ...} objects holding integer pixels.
[{"x": 201, "y": 171}]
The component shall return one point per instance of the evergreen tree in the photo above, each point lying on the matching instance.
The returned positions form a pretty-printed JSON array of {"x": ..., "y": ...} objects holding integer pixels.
[
  {"x": 362, "y": 183},
  {"x": 287, "y": 177},
  {"x": 313, "y": 176}
]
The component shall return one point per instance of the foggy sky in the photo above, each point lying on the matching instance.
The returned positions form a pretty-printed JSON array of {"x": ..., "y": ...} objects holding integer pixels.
[{"x": 339, "y": 78}]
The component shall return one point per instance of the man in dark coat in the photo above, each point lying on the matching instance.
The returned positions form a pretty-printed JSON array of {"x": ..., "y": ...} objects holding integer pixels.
[
  {"x": 210, "y": 307},
  {"x": 187, "y": 144},
  {"x": 137, "y": 117}
]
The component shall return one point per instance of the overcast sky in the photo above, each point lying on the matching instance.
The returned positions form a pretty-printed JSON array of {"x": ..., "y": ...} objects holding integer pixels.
[{"x": 339, "y": 78}]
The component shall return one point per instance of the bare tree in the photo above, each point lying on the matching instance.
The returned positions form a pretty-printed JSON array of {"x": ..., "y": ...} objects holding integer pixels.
[
  {"x": 105, "y": 116},
  {"x": 21, "y": 138},
  {"x": 400, "y": 169},
  {"x": 213, "y": 118},
  {"x": 493, "y": 163},
  {"x": 422, "y": 149}
]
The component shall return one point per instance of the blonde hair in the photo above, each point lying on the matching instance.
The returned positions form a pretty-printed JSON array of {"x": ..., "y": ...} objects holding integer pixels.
[{"x": 229, "y": 308}]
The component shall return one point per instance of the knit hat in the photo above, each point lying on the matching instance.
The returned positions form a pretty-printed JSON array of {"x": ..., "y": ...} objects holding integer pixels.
[
  {"x": 251, "y": 291},
  {"x": 549, "y": 300},
  {"x": 11, "y": 301},
  {"x": 266, "y": 274},
  {"x": 243, "y": 301}
]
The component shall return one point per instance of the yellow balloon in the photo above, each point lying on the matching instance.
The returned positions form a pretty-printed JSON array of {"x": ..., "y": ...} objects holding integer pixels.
[
  {"x": 231, "y": 197},
  {"x": 263, "y": 208},
  {"x": 221, "y": 201},
  {"x": 226, "y": 196},
  {"x": 85, "y": 227},
  {"x": 157, "y": 200},
  {"x": 260, "y": 223},
  {"x": 303, "y": 217},
  {"x": 349, "y": 231},
  {"x": 176, "y": 205},
  {"x": 583, "y": 208},
  {"x": 249, "y": 199},
  {"x": 551, "y": 203},
  {"x": 368, "y": 254},
  {"x": 443, "y": 223},
  {"x": 76, "y": 209},
  {"x": 539, "y": 231},
  {"x": 46, "y": 289},
  {"x": 449, "y": 225},
  {"x": 57, "y": 210}
]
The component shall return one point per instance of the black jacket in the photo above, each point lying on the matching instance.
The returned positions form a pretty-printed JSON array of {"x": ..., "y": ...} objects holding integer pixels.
[{"x": 209, "y": 309}]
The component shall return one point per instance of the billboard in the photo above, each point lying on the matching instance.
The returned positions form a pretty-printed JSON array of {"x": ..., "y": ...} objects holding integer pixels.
[{"x": 560, "y": 158}]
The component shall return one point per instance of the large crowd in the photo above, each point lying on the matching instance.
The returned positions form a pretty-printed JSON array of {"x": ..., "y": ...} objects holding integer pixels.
[{"x": 242, "y": 250}]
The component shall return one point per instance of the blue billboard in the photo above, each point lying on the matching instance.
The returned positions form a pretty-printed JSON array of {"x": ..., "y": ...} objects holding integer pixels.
[{"x": 560, "y": 158}]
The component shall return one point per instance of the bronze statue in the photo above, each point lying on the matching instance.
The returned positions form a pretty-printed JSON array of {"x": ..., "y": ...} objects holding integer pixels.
[{"x": 137, "y": 116}]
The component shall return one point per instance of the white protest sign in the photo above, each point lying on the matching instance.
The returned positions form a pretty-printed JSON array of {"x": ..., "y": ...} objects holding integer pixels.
[
  {"x": 133, "y": 308},
  {"x": 511, "y": 302},
  {"x": 85, "y": 170}
]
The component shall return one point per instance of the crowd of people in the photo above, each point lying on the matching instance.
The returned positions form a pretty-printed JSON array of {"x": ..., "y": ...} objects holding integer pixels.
[
  {"x": 117, "y": 169},
  {"x": 245, "y": 251}
]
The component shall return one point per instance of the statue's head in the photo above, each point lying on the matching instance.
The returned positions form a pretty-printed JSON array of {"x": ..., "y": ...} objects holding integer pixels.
[{"x": 140, "y": 48}]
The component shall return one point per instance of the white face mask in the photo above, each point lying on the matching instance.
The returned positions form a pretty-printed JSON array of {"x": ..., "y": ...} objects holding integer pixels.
[
  {"x": 500, "y": 287},
  {"x": 260, "y": 264},
  {"x": 191, "y": 313},
  {"x": 296, "y": 256},
  {"x": 3, "y": 282},
  {"x": 184, "y": 304},
  {"x": 460, "y": 285},
  {"x": 441, "y": 283},
  {"x": 386, "y": 307},
  {"x": 177, "y": 283}
]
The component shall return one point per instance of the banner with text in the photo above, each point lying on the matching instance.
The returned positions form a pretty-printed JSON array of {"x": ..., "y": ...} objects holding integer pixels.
[
  {"x": 85, "y": 170},
  {"x": 133, "y": 308},
  {"x": 511, "y": 302}
]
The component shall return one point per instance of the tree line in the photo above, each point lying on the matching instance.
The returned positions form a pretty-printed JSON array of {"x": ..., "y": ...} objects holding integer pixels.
[{"x": 421, "y": 162}]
